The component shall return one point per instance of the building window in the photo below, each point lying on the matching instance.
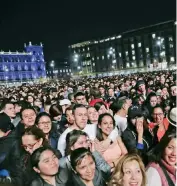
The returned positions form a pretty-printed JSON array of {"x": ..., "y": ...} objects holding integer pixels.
[
  {"x": 93, "y": 58},
  {"x": 132, "y": 46},
  {"x": 153, "y": 36},
  {"x": 171, "y": 45},
  {"x": 128, "y": 65},
  {"x": 108, "y": 56},
  {"x": 133, "y": 52},
  {"x": 120, "y": 54},
  {"x": 93, "y": 64},
  {"x": 88, "y": 48},
  {"x": 60, "y": 70},
  {"x": 126, "y": 53},
  {"x": 63, "y": 70},
  {"x": 83, "y": 49},
  {"x": 139, "y": 44},
  {"x": 102, "y": 57},
  {"x": 98, "y": 58},
  {"x": 147, "y": 49},
  {"x": 172, "y": 59},
  {"x": 170, "y": 39},
  {"x": 66, "y": 70},
  {"x": 133, "y": 58}
]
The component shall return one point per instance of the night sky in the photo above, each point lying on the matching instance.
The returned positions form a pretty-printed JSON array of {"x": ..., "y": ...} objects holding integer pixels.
[{"x": 58, "y": 24}]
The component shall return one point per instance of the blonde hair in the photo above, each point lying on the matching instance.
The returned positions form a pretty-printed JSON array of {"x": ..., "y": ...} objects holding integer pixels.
[{"x": 118, "y": 174}]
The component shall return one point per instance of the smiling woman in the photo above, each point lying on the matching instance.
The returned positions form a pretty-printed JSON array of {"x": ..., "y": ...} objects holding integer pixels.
[{"x": 129, "y": 172}]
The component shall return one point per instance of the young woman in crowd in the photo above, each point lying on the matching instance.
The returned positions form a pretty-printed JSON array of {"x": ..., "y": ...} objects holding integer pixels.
[
  {"x": 92, "y": 115},
  {"x": 32, "y": 138},
  {"x": 101, "y": 108},
  {"x": 162, "y": 167},
  {"x": 85, "y": 171},
  {"x": 79, "y": 139},
  {"x": 129, "y": 172},
  {"x": 137, "y": 135},
  {"x": 116, "y": 149},
  {"x": 44, "y": 122},
  {"x": 45, "y": 163}
]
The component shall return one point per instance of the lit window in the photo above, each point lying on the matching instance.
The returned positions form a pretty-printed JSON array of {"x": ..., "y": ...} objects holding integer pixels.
[
  {"x": 128, "y": 65},
  {"x": 108, "y": 56},
  {"x": 170, "y": 39},
  {"x": 120, "y": 54},
  {"x": 93, "y": 58},
  {"x": 102, "y": 57},
  {"x": 69, "y": 70},
  {"x": 93, "y": 64},
  {"x": 159, "y": 38},
  {"x": 126, "y": 53},
  {"x": 153, "y": 36},
  {"x": 63, "y": 70},
  {"x": 66, "y": 70},
  {"x": 97, "y": 58},
  {"x": 139, "y": 44},
  {"x": 171, "y": 45},
  {"x": 133, "y": 52},
  {"x": 88, "y": 48},
  {"x": 132, "y": 46},
  {"x": 83, "y": 49},
  {"x": 133, "y": 58},
  {"x": 147, "y": 49},
  {"x": 172, "y": 59},
  {"x": 60, "y": 70},
  {"x": 162, "y": 53},
  {"x": 88, "y": 62}
]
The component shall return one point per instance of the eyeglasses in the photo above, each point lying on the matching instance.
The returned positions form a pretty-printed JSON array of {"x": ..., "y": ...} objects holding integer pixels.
[
  {"x": 158, "y": 114},
  {"x": 44, "y": 123},
  {"x": 30, "y": 146}
]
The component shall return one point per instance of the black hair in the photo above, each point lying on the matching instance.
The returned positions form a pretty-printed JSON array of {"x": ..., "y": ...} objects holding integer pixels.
[
  {"x": 78, "y": 106},
  {"x": 155, "y": 155},
  {"x": 55, "y": 110},
  {"x": 35, "y": 157},
  {"x": 98, "y": 105},
  {"x": 41, "y": 115},
  {"x": 71, "y": 139},
  {"x": 79, "y": 94},
  {"x": 26, "y": 108},
  {"x": 99, "y": 135},
  {"x": 77, "y": 156}
]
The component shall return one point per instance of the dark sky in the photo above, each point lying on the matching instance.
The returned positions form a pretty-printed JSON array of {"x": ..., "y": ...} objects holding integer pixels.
[{"x": 58, "y": 24}]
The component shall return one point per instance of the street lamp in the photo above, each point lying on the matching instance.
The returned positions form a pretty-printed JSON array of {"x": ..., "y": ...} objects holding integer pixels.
[{"x": 52, "y": 64}]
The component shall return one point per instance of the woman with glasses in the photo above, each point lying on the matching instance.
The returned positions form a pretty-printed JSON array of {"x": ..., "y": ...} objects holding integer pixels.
[
  {"x": 137, "y": 135},
  {"x": 32, "y": 139},
  {"x": 44, "y": 122},
  {"x": 160, "y": 124},
  {"x": 79, "y": 139}
]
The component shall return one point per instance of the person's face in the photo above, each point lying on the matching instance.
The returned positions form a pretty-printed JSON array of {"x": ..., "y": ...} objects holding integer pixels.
[
  {"x": 162, "y": 79},
  {"x": 57, "y": 118},
  {"x": 164, "y": 91},
  {"x": 81, "y": 117},
  {"x": 102, "y": 90},
  {"x": 10, "y": 110},
  {"x": 173, "y": 91},
  {"x": 102, "y": 110},
  {"x": 132, "y": 174},
  {"x": 158, "y": 115},
  {"x": 111, "y": 92},
  {"x": 30, "y": 99},
  {"x": 17, "y": 108},
  {"x": 30, "y": 144},
  {"x": 133, "y": 83},
  {"x": 159, "y": 100},
  {"x": 38, "y": 103},
  {"x": 86, "y": 169},
  {"x": 106, "y": 125},
  {"x": 28, "y": 117},
  {"x": 92, "y": 114},
  {"x": 87, "y": 89},
  {"x": 153, "y": 101},
  {"x": 81, "y": 100},
  {"x": 48, "y": 164},
  {"x": 142, "y": 87},
  {"x": 82, "y": 141},
  {"x": 170, "y": 153},
  {"x": 112, "y": 85},
  {"x": 45, "y": 124},
  {"x": 70, "y": 116}
]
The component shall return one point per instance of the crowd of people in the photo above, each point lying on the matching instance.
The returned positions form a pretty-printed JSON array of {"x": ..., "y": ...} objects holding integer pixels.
[{"x": 115, "y": 131}]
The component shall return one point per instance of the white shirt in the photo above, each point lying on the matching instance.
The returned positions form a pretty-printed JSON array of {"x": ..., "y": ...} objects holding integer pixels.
[
  {"x": 121, "y": 123},
  {"x": 153, "y": 177},
  {"x": 90, "y": 129}
]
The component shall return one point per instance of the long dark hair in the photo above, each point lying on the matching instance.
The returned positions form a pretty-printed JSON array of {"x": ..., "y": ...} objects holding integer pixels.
[
  {"x": 72, "y": 138},
  {"x": 156, "y": 154},
  {"x": 99, "y": 135}
]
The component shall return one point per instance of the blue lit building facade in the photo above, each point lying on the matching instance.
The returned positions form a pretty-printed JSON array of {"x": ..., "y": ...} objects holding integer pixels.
[{"x": 23, "y": 66}]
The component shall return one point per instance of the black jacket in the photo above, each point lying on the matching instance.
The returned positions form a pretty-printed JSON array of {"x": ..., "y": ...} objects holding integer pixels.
[
  {"x": 10, "y": 157},
  {"x": 61, "y": 179}
]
